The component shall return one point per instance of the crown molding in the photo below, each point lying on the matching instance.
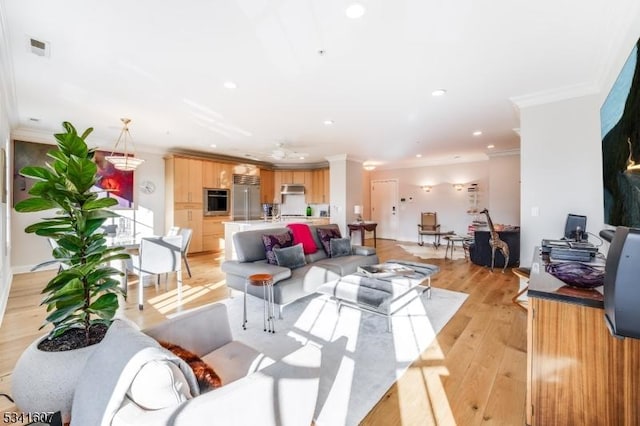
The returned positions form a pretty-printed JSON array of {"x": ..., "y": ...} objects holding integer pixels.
[
  {"x": 555, "y": 95},
  {"x": 505, "y": 153}
]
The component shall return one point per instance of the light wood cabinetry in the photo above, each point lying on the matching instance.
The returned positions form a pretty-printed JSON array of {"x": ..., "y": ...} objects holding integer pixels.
[
  {"x": 318, "y": 190},
  {"x": 577, "y": 372},
  {"x": 217, "y": 175},
  {"x": 213, "y": 233},
  {"x": 190, "y": 216},
  {"x": 282, "y": 177},
  {"x": 187, "y": 181},
  {"x": 298, "y": 177},
  {"x": 267, "y": 186}
]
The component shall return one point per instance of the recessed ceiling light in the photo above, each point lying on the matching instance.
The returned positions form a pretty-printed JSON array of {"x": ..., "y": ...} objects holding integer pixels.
[
  {"x": 491, "y": 146},
  {"x": 301, "y": 158},
  {"x": 354, "y": 11},
  {"x": 456, "y": 157},
  {"x": 477, "y": 133},
  {"x": 418, "y": 155},
  {"x": 328, "y": 122},
  {"x": 213, "y": 145},
  {"x": 230, "y": 85},
  {"x": 438, "y": 92}
]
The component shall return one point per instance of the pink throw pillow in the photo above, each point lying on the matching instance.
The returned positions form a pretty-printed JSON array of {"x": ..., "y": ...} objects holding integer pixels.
[{"x": 302, "y": 235}]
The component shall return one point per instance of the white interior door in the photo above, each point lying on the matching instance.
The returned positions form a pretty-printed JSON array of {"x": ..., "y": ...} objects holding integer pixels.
[{"x": 384, "y": 207}]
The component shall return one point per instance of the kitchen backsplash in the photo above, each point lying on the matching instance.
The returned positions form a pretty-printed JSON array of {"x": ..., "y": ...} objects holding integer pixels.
[{"x": 296, "y": 205}]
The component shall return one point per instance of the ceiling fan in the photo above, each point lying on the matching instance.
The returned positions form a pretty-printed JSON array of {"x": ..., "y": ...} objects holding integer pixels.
[
  {"x": 283, "y": 153},
  {"x": 280, "y": 153}
]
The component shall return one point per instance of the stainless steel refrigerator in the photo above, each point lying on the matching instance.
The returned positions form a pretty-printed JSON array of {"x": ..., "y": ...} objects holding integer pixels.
[{"x": 246, "y": 198}]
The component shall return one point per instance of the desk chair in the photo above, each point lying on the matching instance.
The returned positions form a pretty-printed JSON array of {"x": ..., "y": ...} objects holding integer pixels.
[
  {"x": 429, "y": 226},
  {"x": 158, "y": 255}
]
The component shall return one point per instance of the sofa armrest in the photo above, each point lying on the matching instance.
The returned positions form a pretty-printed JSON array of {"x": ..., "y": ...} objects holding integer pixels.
[
  {"x": 200, "y": 330},
  {"x": 284, "y": 393},
  {"x": 246, "y": 269},
  {"x": 363, "y": 250}
]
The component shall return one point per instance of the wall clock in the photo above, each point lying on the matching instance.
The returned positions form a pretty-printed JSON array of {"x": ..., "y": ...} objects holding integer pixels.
[{"x": 147, "y": 187}]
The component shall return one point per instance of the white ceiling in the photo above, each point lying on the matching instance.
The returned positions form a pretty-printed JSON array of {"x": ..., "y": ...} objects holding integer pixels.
[{"x": 163, "y": 64}]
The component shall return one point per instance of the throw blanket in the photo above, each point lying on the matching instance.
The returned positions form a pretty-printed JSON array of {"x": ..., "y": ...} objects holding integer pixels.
[{"x": 302, "y": 234}]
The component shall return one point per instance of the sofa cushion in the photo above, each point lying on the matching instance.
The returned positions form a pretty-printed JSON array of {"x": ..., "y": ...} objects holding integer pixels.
[
  {"x": 302, "y": 234},
  {"x": 159, "y": 384},
  {"x": 248, "y": 245},
  {"x": 340, "y": 247},
  {"x": 271, "y": 241},
  {"x": 290, "y": 257},
  {"x": 206, "y": 376},
  {"x": 325, "y": 235},
  {"x": 236, "y": 360}
]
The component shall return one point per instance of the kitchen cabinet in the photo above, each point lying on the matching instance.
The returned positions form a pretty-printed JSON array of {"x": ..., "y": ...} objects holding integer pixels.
[
  {"x": 213, "y": 233},
  {"x": 318, "y": 189},
  {"x": 267, "y": 186},
  {"x": 191, "y": 216},
  {"x": 217, "y": 175},
  {"x": 298, "y": 177},
  {"x": 187, "y": 180},
  {"x": 283, "y": 176}
]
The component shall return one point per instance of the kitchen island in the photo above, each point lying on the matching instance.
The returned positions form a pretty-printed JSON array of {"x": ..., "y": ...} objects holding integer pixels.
[{"x": 232, "y": 227}]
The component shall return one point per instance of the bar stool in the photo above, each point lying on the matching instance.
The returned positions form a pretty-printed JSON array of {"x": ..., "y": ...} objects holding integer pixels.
[{"x": 266, "y": 282}]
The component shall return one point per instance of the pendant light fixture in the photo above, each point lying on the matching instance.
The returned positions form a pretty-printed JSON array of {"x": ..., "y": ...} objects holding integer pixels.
[{"x": 126, "y": 161}]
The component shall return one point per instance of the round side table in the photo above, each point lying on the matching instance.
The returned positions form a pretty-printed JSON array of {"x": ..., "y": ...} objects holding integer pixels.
[{"x": 266, "y": 282}]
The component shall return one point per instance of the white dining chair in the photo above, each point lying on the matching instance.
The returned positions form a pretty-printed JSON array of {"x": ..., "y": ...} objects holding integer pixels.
[
  {"x": 186, "y": 240},
  {"x": 158, "y": 255}
]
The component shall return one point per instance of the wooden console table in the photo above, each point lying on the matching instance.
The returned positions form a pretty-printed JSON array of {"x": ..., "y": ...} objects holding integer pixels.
[
  {"x": 577, "y": 372},
  {"x": 363, "y": 226}
]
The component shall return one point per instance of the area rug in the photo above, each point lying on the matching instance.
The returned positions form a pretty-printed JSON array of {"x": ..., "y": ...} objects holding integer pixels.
[
  {"x": 360, "y": 359},
  {"x": 428, "y": 251}
]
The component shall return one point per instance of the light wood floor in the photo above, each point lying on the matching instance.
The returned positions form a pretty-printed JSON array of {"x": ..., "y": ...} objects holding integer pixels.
[{"x": 473, "y": 373}]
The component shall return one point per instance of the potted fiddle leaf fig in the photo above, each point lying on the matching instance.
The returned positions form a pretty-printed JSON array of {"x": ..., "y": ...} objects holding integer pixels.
[{"x": 82, "y": 298}]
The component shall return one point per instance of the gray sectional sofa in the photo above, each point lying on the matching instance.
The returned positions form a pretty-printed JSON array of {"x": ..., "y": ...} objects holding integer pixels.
[{"x": 290, "y": 284}]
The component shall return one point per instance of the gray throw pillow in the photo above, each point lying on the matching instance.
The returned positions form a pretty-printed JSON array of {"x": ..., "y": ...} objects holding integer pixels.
[
  {"x": 340, "y": 247},
  {"x": 290, "y": 257}
]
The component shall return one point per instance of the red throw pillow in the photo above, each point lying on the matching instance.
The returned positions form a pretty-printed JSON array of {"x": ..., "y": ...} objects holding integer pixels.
[
  {"x": 207, "y": 378},
  {"x": 302, "y": 235}
]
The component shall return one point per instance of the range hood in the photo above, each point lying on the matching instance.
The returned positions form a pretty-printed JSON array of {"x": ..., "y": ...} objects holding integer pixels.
[{"x": 292, "y": 189}]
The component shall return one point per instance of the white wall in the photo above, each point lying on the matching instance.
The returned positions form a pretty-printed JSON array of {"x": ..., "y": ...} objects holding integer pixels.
[
  {"x": 562, "y": 158},
  {"x": 452, "y": 205},
  {"x": 28, "y": 250},
  {"x": 5, "y": 257},
  {"x": 561, "y": 169},
  {"x": 504, "y": 185}
]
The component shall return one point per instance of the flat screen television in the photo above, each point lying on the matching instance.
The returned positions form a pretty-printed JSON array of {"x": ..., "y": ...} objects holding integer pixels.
[
  {"x": 621, "y": 289},
  {"x": 576, "y": 227}
]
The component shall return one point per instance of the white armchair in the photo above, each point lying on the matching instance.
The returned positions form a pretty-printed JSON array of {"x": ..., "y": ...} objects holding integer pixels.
[{"x": 255, "y": 390}]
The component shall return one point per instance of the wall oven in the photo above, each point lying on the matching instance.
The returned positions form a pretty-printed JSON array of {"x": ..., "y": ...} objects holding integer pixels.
[{"x": 216, "y": 202}]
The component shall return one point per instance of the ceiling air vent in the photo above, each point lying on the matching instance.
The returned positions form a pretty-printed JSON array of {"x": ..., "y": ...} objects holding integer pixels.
[{"x": 38, "y": 47}]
